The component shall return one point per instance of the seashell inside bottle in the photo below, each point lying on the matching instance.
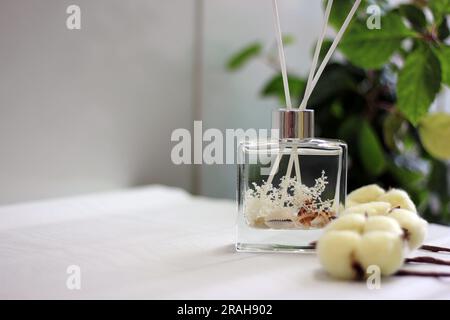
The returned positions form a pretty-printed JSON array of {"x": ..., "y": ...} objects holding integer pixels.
[{"x": 289, "y": 186}]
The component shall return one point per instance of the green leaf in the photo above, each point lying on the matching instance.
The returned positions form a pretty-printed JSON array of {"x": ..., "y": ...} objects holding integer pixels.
[
  {"x": 438, "y": 178},
  {"x": 443, "y": 53},
  {"x": 370, "y": 151},
  {"x": 414, "y": 15},
  {"x": 341, "y": 9},
  {"x": 326, "y": 44},
  {"x": 418, "y": 83},
  {"x": 443, "y": 30},
  {"x": 288, "y": 39},
  {"x": 439, "y": 8},
  {"x": 337, "y": 110},
  {"x": 421, "y": 197},
  {"x": 434, "y": 132},
  {"x": 406, "y": 174},
  {"x": 335, "y": 80},
  {"x": 339, "y": 12},
  {"x": 274, "y": 87},
  {"x": 391, "y": 125},
  {"x": 349, "y": 129},
  {"x": 373, "y": 48},
  {"x": 244, "y": 55}
]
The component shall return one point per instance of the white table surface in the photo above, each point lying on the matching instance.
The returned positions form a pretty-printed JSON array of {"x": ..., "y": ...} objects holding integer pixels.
[{"x": 161, "y": 243}]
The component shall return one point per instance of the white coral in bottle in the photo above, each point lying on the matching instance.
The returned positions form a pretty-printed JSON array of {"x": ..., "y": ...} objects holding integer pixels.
[{"x": 290, "y": 205}]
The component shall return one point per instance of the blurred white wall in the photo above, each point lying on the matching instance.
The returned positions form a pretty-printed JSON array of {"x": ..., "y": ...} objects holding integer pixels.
[
  {"x": 93, "y": 109},
  {"x": 90, "y": 110}
]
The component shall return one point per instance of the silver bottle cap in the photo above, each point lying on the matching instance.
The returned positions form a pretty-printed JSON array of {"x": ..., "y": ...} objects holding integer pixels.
[{"x": 293, "y": 123}]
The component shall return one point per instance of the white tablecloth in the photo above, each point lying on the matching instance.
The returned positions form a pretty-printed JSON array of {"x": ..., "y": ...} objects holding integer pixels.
[{"x": 161, "y": 243}]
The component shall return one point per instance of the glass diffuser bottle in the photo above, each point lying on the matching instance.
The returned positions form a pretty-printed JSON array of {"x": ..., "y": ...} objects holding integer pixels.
[{"x": 289, "y": 187}]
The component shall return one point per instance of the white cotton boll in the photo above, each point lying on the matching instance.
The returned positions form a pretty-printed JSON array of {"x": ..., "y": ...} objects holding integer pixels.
[
  {"x": 364, "y": 194},
  {"x": 403, "y": 212},
  {"x": 351, "y": 222},
  {"x": 374, "y": 208},
  {"x": 382, "y": 249},
  {"x": 414, "y": 226},
  {"x": 335, "y": 250},
  {"x": 371, "y": 231},
  {"x": 398, "y": 198},
  {"x": 382, "y": 223},
  {"x": 350, "y": 203}
]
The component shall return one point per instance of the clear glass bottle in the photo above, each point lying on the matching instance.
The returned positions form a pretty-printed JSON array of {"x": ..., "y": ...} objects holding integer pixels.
[{"x": 289, "y": 187}]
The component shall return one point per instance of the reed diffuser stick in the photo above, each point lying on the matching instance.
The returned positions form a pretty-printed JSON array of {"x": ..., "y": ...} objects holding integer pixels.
[
  {"x": 294, "y": 154},
  {"x": 312, "y": 71},
  {"x": 275, "y": 167},
  {"x": 311, "y": 83},
  {"x": 281, "y": 55},
  {"x": 331, "y": 51},
  {"x": 287, "y": 94}
]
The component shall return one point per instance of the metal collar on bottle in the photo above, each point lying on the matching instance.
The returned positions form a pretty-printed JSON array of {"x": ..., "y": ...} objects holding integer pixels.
[{"x": 293, "y": 123}]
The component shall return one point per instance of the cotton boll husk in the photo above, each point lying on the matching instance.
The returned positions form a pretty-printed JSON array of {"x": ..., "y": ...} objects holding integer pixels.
[
  {"x": 364, "y": 194},
  {"x": 398, "y": 198},
  {"x": 351, "y": 222},
  {"x": 382, "y": 223},
  {"x": 416, "y": 227},
  {"x": 382, "y": 249},
  {"x": 374, "y": 208},
  {"x": 335, "y": 250}
]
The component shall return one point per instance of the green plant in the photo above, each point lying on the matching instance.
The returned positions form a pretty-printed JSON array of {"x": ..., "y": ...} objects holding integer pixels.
[{"x": 377, "y": 98}]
